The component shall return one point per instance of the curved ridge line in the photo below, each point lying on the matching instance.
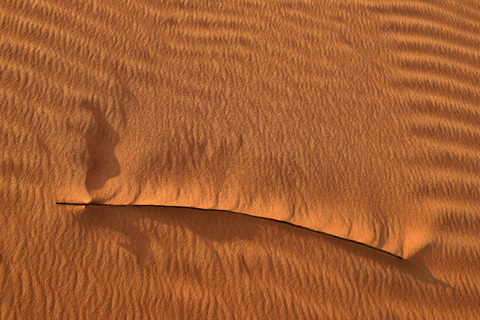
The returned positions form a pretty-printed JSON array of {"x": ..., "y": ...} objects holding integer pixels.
[{"x": 239, "y": 213}]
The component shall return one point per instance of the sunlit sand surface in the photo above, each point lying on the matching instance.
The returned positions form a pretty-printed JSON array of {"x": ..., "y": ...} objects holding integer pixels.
[{"x": 245, "y": 159}]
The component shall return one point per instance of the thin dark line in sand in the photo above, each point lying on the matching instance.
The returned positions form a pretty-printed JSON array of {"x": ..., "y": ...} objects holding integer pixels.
[{"x": 233, "y": 212}]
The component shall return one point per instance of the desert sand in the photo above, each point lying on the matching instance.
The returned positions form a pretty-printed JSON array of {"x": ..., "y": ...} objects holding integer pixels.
[{"x": 239, "y": 159}]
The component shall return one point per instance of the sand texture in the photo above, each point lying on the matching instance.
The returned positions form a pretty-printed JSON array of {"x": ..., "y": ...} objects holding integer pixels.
[{"x": 240, "y": 159}]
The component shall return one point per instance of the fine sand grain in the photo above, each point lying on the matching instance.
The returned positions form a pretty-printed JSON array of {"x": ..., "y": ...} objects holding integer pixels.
[{"x": 240, "y": 159}]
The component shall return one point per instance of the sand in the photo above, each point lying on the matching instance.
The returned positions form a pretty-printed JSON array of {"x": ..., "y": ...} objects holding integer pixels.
[{"x": 244, "y": 159}]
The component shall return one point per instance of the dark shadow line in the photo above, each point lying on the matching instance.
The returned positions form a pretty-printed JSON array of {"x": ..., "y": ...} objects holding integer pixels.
[{"x": 233, "y": 212}]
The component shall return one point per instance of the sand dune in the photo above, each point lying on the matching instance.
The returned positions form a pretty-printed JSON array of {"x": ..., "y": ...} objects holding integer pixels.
[{"x": 291, "y": 133}]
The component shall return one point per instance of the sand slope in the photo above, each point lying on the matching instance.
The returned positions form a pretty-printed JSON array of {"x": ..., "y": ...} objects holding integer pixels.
[{"x": 357, "y": 119}]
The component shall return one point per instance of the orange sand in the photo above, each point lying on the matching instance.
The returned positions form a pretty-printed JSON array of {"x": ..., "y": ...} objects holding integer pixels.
[{"x": 334, "y": 147}]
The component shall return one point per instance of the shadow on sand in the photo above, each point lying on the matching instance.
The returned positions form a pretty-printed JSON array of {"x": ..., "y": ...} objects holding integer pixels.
[
  {"x": 225, "y": 226},
  {"x": 128, "y": 220},
  {"x": 101, "y": 141}
]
